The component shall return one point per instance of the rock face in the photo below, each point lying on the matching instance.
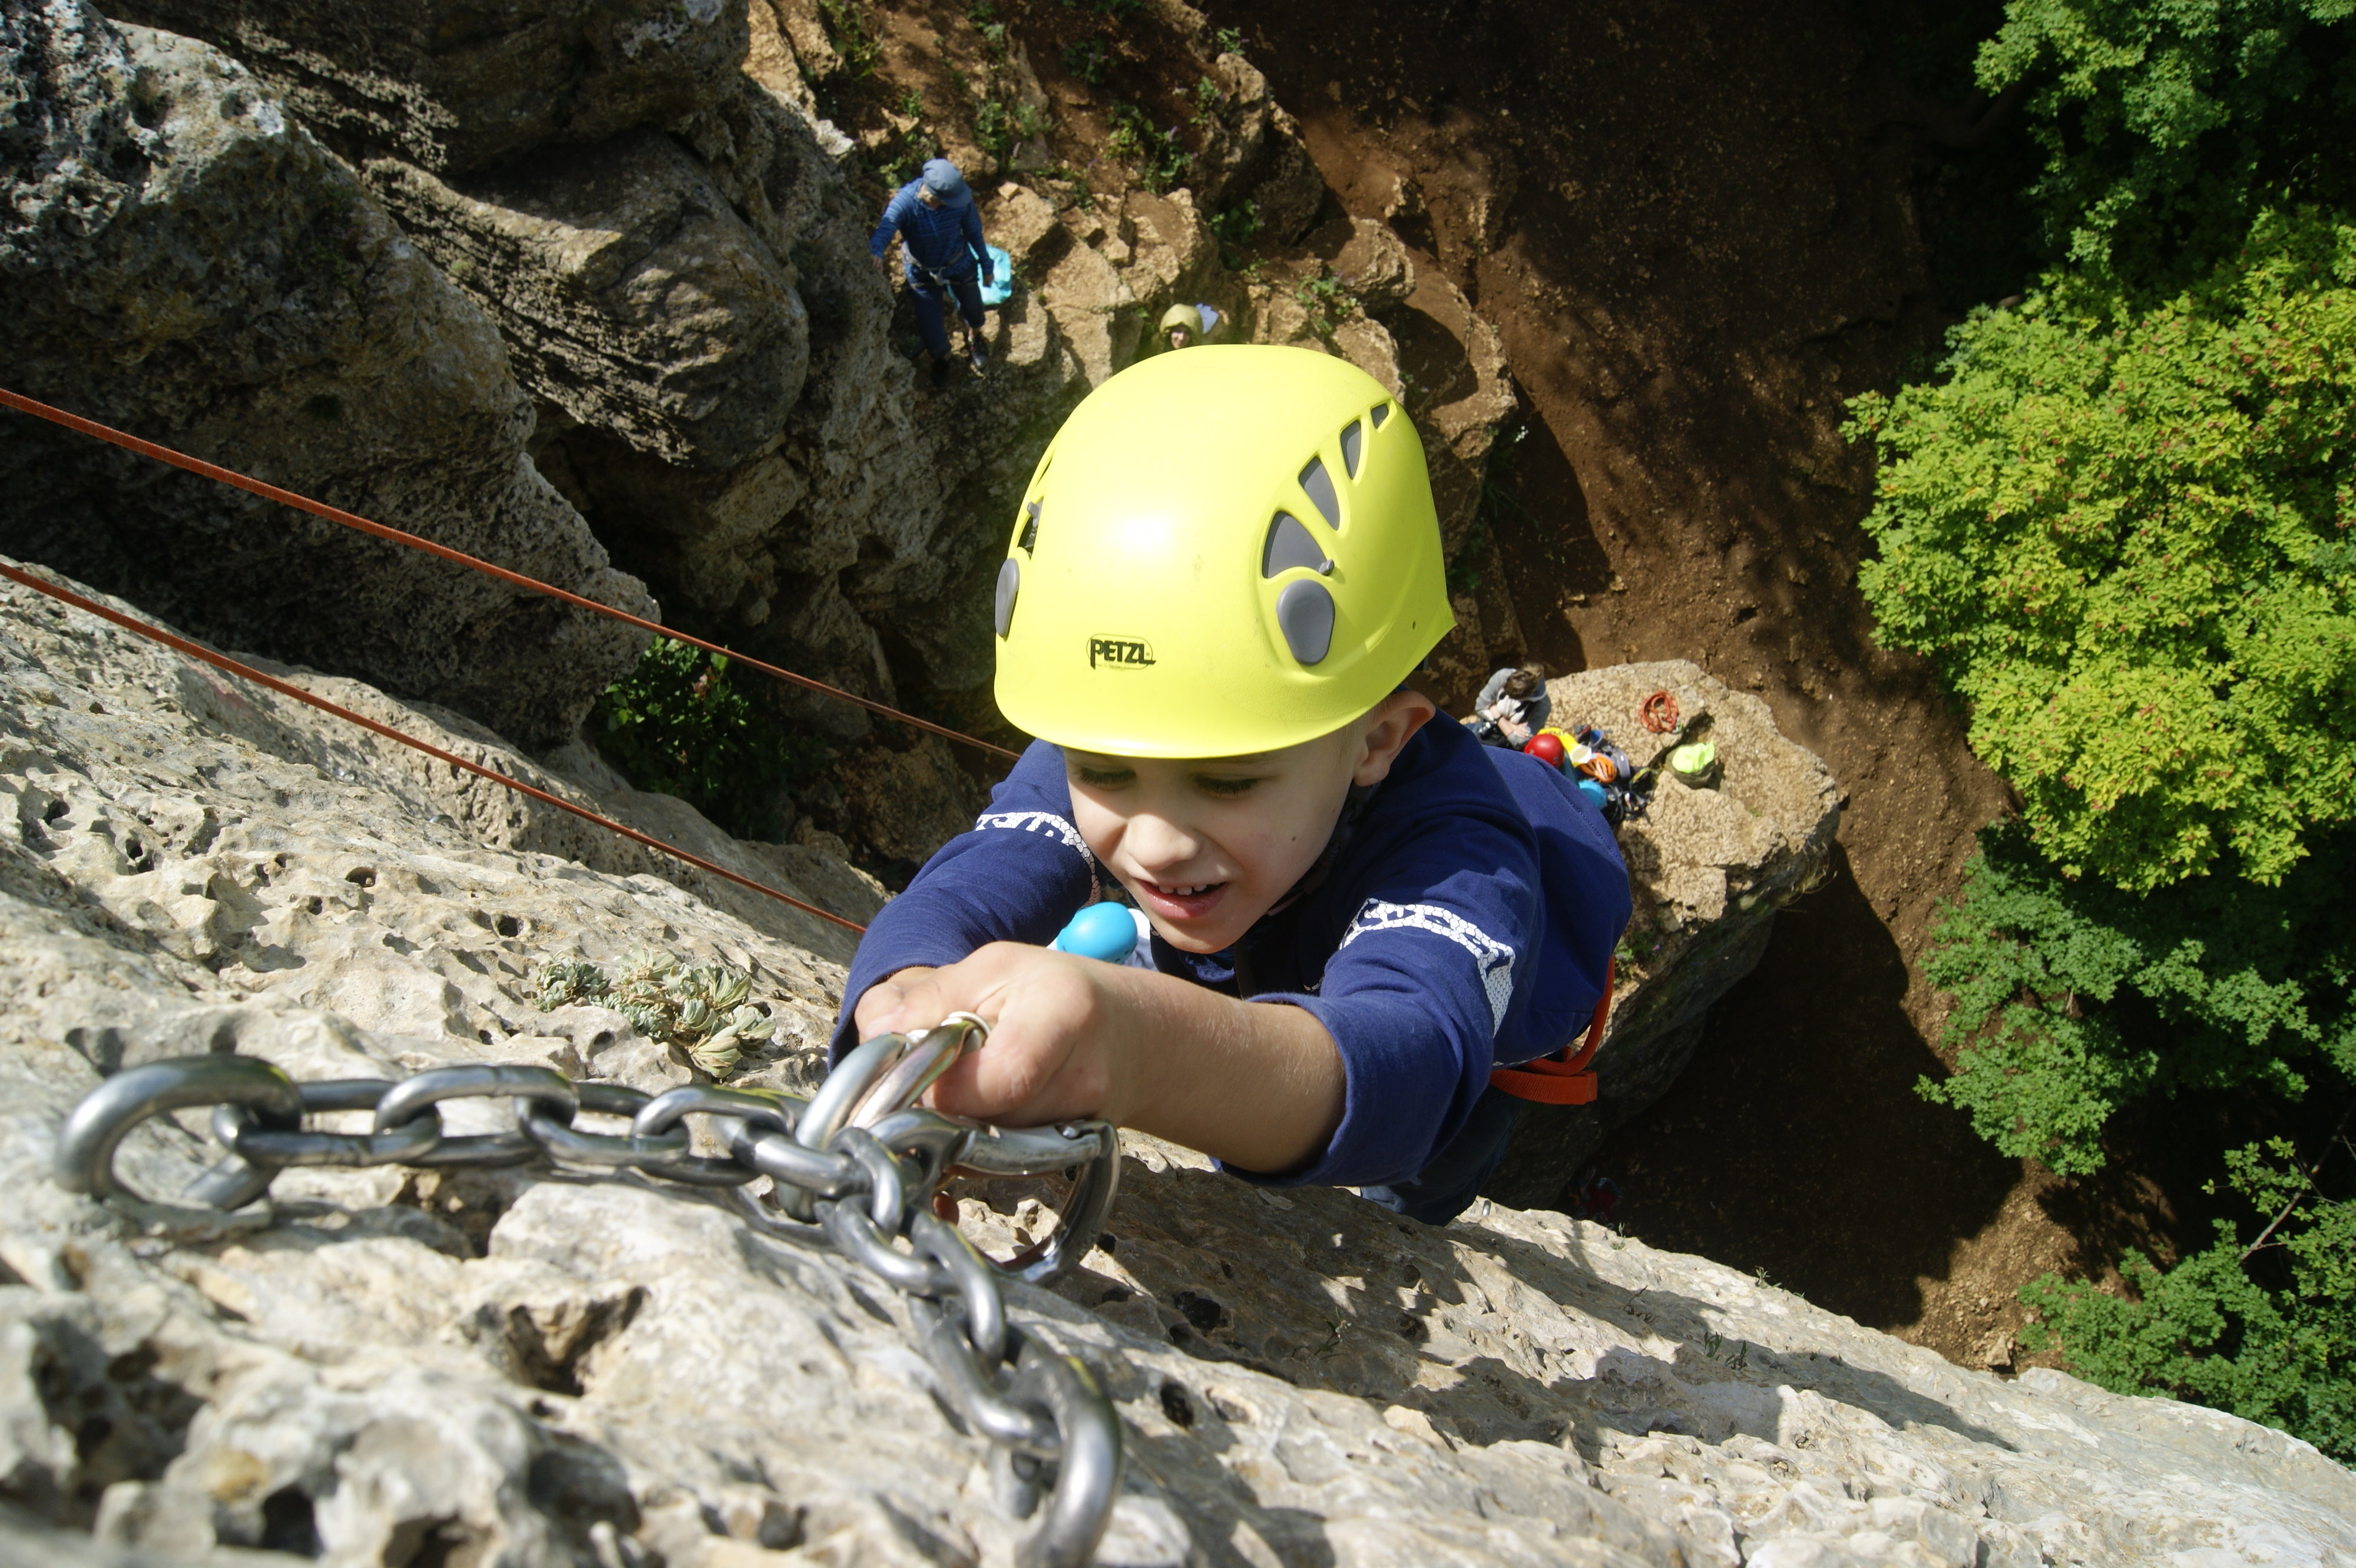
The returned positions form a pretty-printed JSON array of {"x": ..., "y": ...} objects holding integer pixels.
[
  {"x": 1708, "y": 869},
  {"x": 178, "y": 256},
  {"x": 550, "y": 282},
  {"x": 526, "y": 1368},
  {"x": 1255, "y": 153},
  {"x": 232, "y": 830},
  {"x": 457, "y": 87}
]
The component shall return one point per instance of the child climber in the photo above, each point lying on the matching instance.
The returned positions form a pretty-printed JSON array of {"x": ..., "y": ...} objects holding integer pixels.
[{"x": 1352, "y": 912}]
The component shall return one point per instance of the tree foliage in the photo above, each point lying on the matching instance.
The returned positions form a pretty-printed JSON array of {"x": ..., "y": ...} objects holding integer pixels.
[
  {"x": 2168, "y": 127},
  {"x": 2119, "y": 524},
  {"x": 677, "y": 727},
  {"x": 2125, "y": 537},
  {"x": 2212, "y": 1331},
  {"x": 2238, "y": 986}
]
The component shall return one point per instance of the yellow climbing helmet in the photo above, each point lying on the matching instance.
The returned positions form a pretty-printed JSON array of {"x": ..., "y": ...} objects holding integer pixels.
[{"x": 1221, "y": 552}]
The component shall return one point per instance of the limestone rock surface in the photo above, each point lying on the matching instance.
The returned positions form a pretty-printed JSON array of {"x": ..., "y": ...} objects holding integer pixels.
[
  {"x": 454, "y": 87},
  {"x": 1253, "y": 152},
  {"x": 1375, "y": 265},
  {"x": 534, "y": 1367},
  {"x": 179, "y": 257},
  {"x": 636, "y": 296},
  {"x": 1708, "y": 869},
  {"x": 238, "y": 833}
]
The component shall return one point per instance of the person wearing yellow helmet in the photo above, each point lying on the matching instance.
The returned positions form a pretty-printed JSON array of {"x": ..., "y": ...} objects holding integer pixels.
[
  {"x": 1349, "y": 913},
  {"x": 1186, "y": 326}
]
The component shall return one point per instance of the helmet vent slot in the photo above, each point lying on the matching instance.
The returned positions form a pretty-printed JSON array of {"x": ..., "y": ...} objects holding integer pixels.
[
  {"x": 1009, "y": 584},
  {"x": 1030, "y": 538},
  {"x": 1354, "y": 440},
  {"x": 1289, "y": 544},
  {"x": 1304, "y": 613},
  {"x": 1319, "y": 484},
  {"x": 1382, "y": 411}
]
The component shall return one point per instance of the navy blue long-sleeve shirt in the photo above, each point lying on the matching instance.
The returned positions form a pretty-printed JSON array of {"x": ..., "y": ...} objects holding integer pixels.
[
  {"x": 939, "y": 240},
  {"x": 1464, "y": 921}
]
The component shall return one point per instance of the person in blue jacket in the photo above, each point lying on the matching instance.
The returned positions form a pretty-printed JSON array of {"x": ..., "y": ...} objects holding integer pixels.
[
  {"x": 942, "y": 254},
  {"x": 1354, "y": 921}
]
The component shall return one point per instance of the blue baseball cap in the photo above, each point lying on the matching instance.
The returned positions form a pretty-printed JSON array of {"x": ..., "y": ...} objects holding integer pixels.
[{"x": 941, "y": 178}]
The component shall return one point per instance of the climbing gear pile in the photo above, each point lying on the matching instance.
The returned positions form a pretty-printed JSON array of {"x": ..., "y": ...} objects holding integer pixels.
[
  {"x": 857, "y": 1164},
  {"x": 1693, "y": 762},
  {"x": 1278, "y": 577},
  {"x": 1606, "y": 775}
]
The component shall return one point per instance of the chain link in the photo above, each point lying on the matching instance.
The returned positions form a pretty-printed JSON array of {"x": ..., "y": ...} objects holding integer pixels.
[{"x": 859, "y": 1160}]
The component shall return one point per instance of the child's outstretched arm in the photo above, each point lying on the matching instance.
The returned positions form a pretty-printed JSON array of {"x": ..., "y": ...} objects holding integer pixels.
[{"x": 1257, "y": 1084}]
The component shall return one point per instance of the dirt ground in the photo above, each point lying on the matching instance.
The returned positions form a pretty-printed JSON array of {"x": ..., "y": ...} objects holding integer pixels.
[{"x": 1701, "y": 227}]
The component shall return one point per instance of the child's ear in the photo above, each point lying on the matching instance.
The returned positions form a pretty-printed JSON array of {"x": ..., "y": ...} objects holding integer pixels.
[{"x": 1389, "y": 729}]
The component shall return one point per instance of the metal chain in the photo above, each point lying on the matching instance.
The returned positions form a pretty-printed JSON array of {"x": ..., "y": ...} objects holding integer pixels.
[{"x": 860, "y": 1161}]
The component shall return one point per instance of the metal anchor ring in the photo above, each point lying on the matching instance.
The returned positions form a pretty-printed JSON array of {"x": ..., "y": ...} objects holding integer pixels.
[
  {"x": 929, "y": 1054},
  {"x": 1094, "y": 1148}
]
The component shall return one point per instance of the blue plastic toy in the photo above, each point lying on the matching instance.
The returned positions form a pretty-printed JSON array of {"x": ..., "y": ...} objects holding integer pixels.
[
  {"x": 1594, "y": 792},
  {"x": 1001, "y": 286},
  {"x": 1105, "y": 932}
]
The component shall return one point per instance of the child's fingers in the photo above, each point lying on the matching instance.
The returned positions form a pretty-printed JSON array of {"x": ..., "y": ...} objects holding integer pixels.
[
  {"x": 891, "y": 1001},
  {"x": 1045, "y": 1059},
  {"x": 917, "y": 999}
]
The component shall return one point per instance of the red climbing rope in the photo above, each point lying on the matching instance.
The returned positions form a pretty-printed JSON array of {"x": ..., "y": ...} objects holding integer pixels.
[
  {"x": 24, "y": 405},
  {"x": 1659, "y": 713},
  {"x": 221, "y": 662}
]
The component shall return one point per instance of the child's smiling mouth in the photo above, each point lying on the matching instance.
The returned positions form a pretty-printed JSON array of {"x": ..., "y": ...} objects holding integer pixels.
[{"x": 1180, "y": 900}]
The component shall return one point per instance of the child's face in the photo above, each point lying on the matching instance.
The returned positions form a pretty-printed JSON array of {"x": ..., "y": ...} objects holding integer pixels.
[{"x": 1207, "y": 847}]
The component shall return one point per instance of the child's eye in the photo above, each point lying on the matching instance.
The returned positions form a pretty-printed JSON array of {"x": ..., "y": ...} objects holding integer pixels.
[
  {"x": 1226, "y": 788},
  {"x": 1106, "y": 778}
]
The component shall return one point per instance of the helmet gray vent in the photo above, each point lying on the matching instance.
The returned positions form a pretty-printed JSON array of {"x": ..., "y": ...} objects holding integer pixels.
[
  {"x": 1289, "y": 544},
  {"x": 1304, "y": 613},
  {"x": 1319, "y": 485},
  {"x": 1382, "y": 411},
  {"x": 1030, "y": 538},
  {"x": 1009, "y": 583},
  {"x": 1354, "y": 437}
]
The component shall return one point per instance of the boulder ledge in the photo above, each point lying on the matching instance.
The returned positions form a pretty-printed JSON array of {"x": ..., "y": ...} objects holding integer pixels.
[{"x": 1708, "y": 869}]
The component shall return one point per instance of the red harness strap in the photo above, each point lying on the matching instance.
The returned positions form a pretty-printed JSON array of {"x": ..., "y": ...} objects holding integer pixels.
[{"x": 1562, "y": 1079}]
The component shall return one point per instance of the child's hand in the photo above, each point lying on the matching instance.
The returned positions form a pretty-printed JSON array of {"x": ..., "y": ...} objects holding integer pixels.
[
  {"x": 1260, "y": 1084},
  {"x": 1052, "y": 1026}
]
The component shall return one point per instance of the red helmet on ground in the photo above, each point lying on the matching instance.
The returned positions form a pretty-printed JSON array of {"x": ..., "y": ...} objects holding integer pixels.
[{"x": 1547, "y": 748}]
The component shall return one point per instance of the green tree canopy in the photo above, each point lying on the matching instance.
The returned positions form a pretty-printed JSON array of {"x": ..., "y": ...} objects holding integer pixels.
[
  {"x": 2244, "y": 985},
  {"x": 2168, "y": 127},
  {"x": 2212, "y": 1331},
  {"x": 2125, "y": 537}
]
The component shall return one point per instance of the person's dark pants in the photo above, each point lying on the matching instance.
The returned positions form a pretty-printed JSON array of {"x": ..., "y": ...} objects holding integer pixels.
[
  {"x": 1447, "y": 1187},
  {"x": 932, "y": 322}
]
